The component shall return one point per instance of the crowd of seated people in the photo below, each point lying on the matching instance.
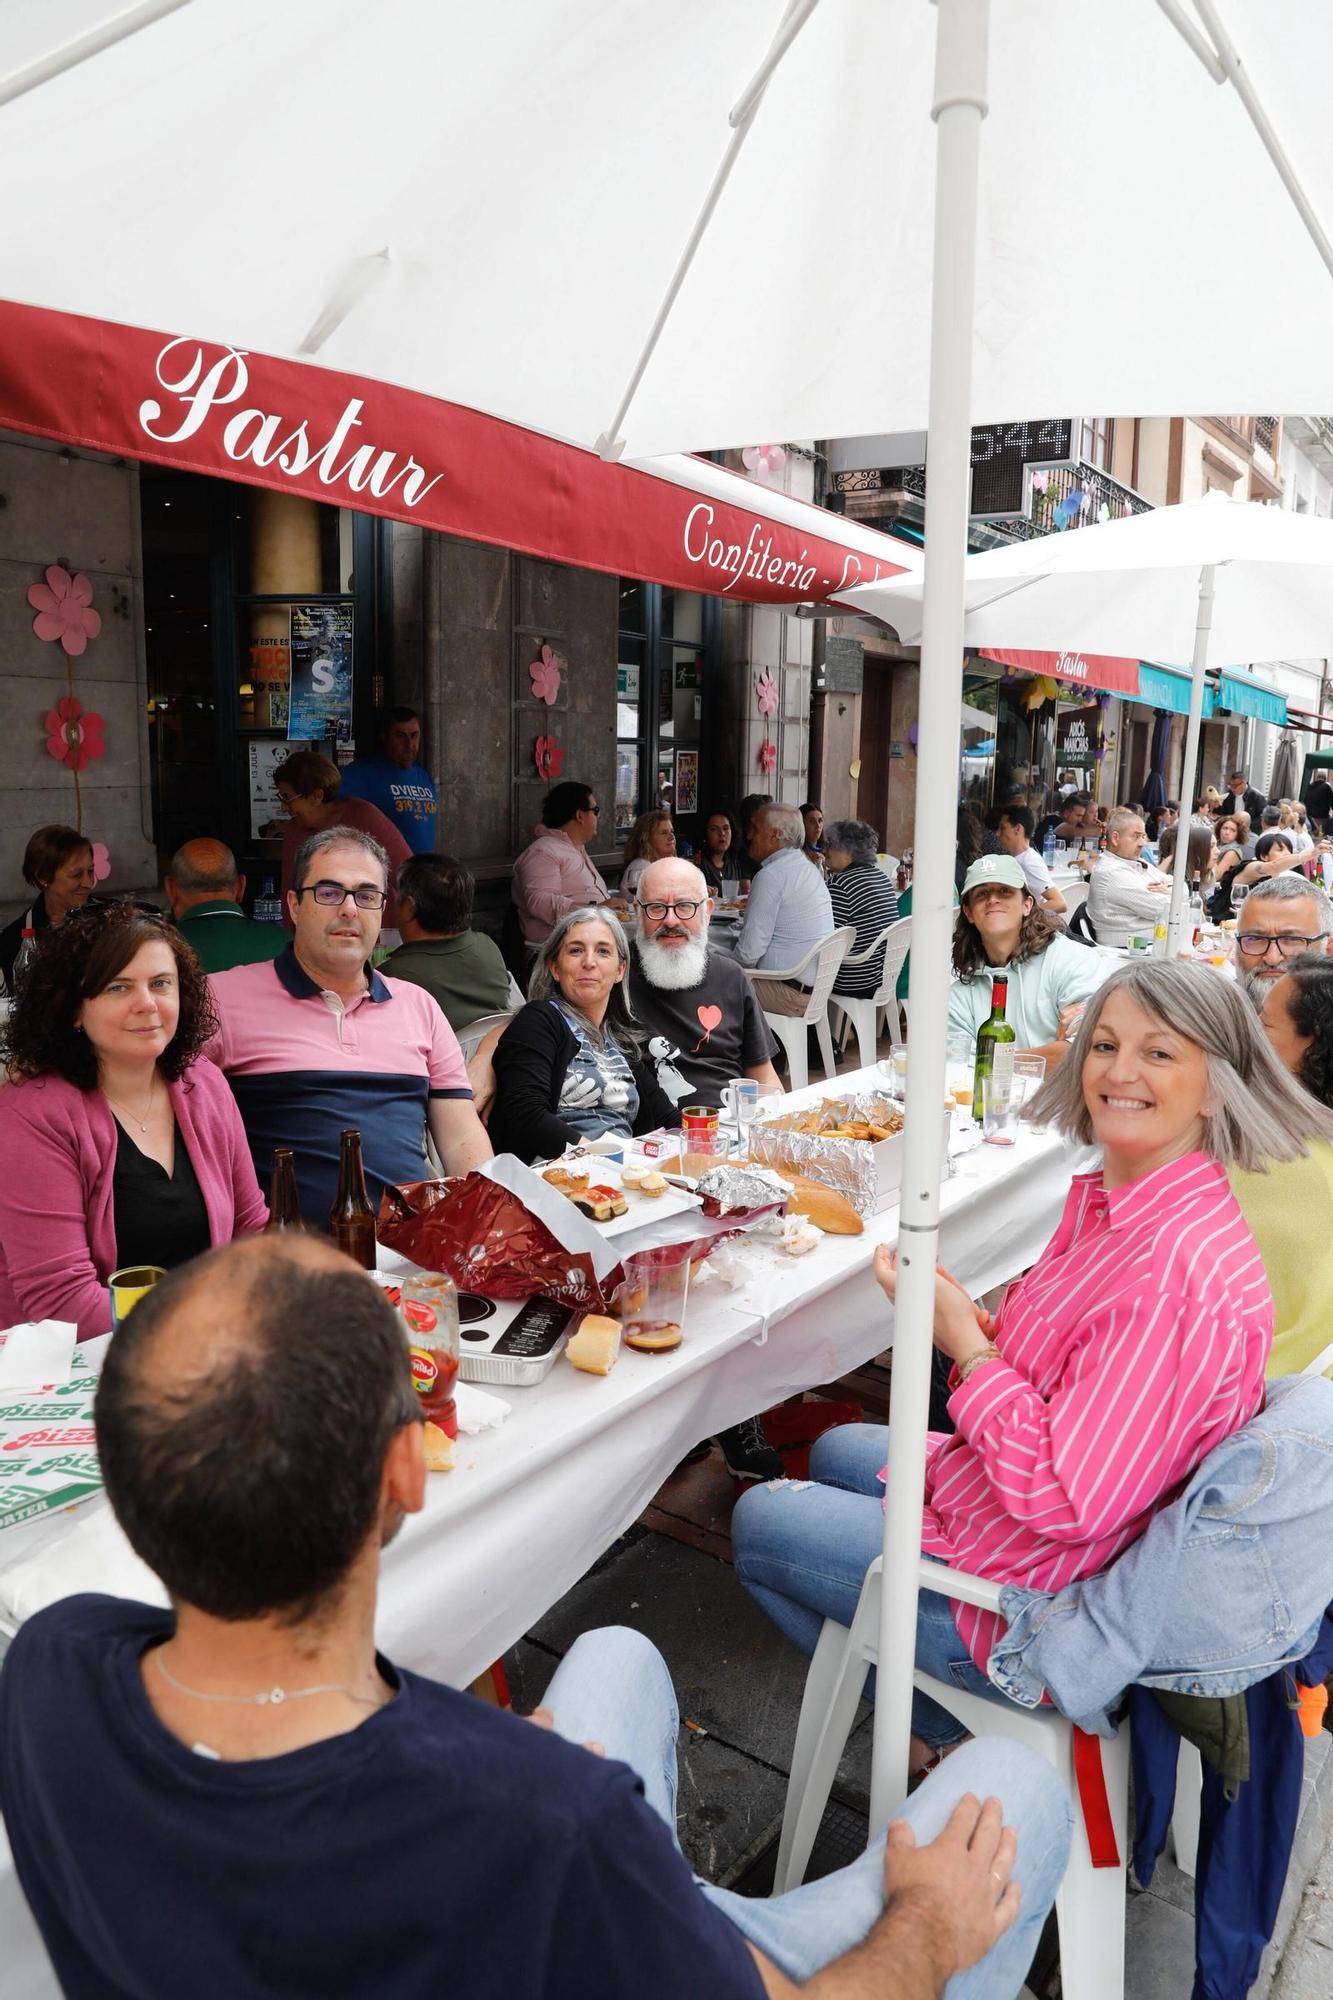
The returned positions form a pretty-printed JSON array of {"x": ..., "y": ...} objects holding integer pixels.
[{"x": 153, "y": 1067}]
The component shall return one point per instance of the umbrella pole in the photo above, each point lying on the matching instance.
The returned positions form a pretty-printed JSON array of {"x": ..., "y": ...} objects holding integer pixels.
[
  {"x": 958, "y": 109},
  {"x": 1189, "y": 776}
]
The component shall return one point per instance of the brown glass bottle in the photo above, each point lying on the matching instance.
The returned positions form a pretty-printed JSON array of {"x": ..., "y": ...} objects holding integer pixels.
[
  {"x": 284, "y": 1209},
  {"x": 352, "y": 1219}
]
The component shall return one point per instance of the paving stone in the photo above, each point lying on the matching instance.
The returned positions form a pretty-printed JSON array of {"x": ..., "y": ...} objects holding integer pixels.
[
  {"x": 733, "y": 1672},
  {"x": 726, "y": 1803},
  {"x": 1159, "y": 1950}
]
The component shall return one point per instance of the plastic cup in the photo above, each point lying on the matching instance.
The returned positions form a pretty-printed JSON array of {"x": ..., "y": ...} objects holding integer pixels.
[
  {"x": 652, "y": 1298},
  {"x": 999, "y": 1101}
]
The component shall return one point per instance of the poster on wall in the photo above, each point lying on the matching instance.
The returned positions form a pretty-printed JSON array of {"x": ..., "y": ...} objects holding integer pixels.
[
  {"x": 321, "y": 683},
  {"x": 268, "y": 815},
  {"x": 687, "y": 781},
  {"x": 1078, "y": 736}
]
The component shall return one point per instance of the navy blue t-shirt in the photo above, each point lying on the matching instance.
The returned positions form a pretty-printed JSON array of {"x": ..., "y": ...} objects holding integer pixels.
[{"x": 443, "y": 1848}]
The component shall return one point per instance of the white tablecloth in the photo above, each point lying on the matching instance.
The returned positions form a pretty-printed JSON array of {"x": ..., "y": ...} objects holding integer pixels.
[{"x": 531, "y": 1506}]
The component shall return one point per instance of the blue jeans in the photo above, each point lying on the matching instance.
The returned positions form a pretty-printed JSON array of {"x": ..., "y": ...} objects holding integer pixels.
[
  {"x": 802, "y": 1551},
  {"x": 613, "y": 1688}
]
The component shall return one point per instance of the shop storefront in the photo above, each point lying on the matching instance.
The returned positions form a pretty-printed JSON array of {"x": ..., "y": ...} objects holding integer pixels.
[
  {"x": 1150, "y": 729},
  {"x": 1034, "y": 723},
  {"x": 667, "y": 662}
]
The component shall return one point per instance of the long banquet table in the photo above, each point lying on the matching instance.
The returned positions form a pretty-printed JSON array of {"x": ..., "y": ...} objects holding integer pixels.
[{"x": 530, "y": 1506}]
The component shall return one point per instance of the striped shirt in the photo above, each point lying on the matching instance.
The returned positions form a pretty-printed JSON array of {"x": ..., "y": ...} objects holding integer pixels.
[
  {"x": 863, "y": 896},
  {"x": 1134, "y": 1345}
]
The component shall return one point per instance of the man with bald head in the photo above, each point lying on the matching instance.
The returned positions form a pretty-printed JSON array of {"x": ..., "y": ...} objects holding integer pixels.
[
  {"x": 205, "y": 890},
  {"x": 240, "y": 1796}
]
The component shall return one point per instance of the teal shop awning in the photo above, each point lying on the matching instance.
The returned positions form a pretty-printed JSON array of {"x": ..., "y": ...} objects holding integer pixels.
[
  {"x": 1263, "y": 704},
  {"x": 1161, "y": 687}
]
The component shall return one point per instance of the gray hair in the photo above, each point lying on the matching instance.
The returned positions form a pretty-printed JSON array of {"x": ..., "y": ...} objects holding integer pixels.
[
  {"x": 1286, "y": 887},
  {"x": 787, "y": 823},
  {"x": 336, "y": 836},
  {"x": 542, "y": 984},
  {"x": 855, "y": 837},
  {"x": 1121, "y": 818},
  {"x": 196, "y": 881},
  {"x": 1258, "y": 1112}
]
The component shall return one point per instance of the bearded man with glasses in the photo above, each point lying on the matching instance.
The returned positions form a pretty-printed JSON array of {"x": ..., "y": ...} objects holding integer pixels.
[
  {"x": 1279, "y": 920},
  {"x": 317, "y": 1040}
]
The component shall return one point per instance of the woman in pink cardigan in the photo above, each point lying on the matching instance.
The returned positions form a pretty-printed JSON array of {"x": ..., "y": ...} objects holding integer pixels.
[{"x": 119, "y": 1143}]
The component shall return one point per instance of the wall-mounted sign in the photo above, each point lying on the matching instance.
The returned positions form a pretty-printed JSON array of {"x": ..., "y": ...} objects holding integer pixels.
[{"x": 844, "y": 668}]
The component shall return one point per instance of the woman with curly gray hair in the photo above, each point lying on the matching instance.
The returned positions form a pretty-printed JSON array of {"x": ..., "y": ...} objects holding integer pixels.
[
  {"x": 862, "y": 895},
  {"x": 568, "y": 1066}
]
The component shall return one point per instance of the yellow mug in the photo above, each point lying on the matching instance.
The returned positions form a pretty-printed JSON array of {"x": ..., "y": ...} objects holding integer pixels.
[{"x": 128, "y": 1285}]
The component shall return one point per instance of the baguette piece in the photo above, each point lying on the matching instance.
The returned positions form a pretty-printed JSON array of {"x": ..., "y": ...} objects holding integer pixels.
[
  {"x": 595, "y": 1348},
  {"x": 826, "y": 1208},
  {"x": 439, "y": 1449}
]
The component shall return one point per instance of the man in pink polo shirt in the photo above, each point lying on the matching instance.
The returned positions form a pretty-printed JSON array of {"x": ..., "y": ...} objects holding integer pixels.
[
  {"x": 554, "y": 874},
  {"x": 317, "y": 1040}
]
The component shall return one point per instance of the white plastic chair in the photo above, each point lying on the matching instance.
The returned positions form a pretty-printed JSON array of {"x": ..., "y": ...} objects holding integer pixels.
[
  {"x": 471, "y": 1036},
  {"x": 862, "y": 1012},
  {"x": 1090, "y": 1903},
  {"x": 1075, "y": 895},
  {"x": 790, "y": 1029}
]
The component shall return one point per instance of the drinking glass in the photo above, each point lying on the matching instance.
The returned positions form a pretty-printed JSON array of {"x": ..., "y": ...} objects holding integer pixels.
[
  {"x": 1029, "y": 1075},
  {"x": 652, "y": 1298},
  {"x": 1238, "y": 895},
  {"x": 960, "y": 1068},
  {"x": 699, "y": 1147},
  {"x": 999, "y": 1110},
  {"x": 731, "y": 888},
  {"x": 894, "y": 1068},
  {"x": 740, "y": 1101}
]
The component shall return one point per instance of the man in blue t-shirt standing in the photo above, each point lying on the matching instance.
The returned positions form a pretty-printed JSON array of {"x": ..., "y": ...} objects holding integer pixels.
[
  {"x": 396, "y": 781},
  {"x": 241, "y": 1796}
]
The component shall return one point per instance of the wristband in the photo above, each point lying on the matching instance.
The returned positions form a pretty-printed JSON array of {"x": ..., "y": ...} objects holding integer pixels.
[{"x": 990, "y": 1352}]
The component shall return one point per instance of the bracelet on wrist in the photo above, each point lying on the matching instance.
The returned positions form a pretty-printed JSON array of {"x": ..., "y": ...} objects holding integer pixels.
[{"x": 990, "y": 1352}]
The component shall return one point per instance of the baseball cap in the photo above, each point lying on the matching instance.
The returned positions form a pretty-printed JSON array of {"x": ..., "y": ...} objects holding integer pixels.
[{"x": 992, "y": 869}]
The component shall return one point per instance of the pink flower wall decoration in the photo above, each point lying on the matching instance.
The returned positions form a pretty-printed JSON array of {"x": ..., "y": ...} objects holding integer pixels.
[
  {"x": 768, "y": 758},
  {"x": 548, "y": 756},
  {"x": 72, "y": 737},
  {"x": 101, "y": 861},
  {"x": 64, "y": 607},
  {"x": 766, "y": 692},
  {"x": 544, "y": 673}
]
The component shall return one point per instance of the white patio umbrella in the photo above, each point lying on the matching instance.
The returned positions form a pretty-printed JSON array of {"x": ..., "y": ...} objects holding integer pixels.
[
  {"x": 609, "y": 221},
  {"x": 1216, "y": 582}
]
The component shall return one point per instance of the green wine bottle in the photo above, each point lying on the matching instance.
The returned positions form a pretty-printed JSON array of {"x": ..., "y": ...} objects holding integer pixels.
[{"x": 995, "y": 1051}]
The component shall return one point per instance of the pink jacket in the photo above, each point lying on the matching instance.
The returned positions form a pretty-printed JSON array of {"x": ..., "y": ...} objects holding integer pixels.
[
  {"x": 551, "y": 876},
  {"x": 57, "y": 1214}
]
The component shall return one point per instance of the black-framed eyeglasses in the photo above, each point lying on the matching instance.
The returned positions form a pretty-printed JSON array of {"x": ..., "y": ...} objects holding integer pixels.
[
  {"x": 1255, "y": 943},
  {"x": 332, "y": 895},
  {"x": 592, "y": 806},
  {"x": 656, "y": 911}
]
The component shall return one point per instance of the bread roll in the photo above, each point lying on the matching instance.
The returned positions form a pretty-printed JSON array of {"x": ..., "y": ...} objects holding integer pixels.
[
  {"x": 826, "y": 1208},
  {"x": 595, "y": 1348},
  {"x": 439, "y": 1449}
]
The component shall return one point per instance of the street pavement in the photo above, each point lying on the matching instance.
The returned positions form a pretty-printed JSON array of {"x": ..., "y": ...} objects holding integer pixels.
[{"x": 739, "y": 1684}]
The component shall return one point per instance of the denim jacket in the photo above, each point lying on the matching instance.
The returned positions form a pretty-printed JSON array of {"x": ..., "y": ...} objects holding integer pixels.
[{"x": 1223, "y": 1587}]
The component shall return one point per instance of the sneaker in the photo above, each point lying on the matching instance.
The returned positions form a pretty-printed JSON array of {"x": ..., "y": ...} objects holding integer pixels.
[{"x": 748, "y": 1453}]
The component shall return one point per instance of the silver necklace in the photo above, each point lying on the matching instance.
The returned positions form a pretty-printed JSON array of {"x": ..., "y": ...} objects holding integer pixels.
[
  {"x": 271, "y": 1698},
  {"x": 142, "y": 1123}
]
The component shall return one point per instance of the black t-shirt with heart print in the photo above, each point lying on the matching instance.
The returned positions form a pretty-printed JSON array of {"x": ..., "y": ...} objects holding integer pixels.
[{"x": 698, "y": 1037}]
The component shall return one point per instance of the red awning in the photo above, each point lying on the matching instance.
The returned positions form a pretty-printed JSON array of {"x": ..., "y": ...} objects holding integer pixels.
[
  {"x": 1097, "y": 670},
  {"x": 207, "y": 408}
]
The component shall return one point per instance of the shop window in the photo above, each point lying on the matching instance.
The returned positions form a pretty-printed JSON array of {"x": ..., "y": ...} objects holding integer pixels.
[{"x": 667, "y": 639}]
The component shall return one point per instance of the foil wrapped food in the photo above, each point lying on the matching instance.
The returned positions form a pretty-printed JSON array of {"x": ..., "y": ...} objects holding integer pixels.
[
  {"x": 729, "y": 1190},
  {"x": 809, "y": 1143}
]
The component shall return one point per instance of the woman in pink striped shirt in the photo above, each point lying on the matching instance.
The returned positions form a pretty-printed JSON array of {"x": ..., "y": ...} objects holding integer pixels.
[{"x": 1134, "y": 1345}]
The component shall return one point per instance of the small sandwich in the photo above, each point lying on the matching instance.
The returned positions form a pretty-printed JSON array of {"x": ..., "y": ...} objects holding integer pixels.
[
  {"x": 601, "y": 1204},
  {"x": 652, "y": 1183}
]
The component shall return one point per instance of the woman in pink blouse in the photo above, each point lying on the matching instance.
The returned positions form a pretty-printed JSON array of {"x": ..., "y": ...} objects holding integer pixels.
[
  {"x": 1134, "y": 1345},
  {"x": 119, "y": 1143}
]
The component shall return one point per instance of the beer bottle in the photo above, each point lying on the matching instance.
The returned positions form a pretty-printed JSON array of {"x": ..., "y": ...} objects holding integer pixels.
[
  {"x": 995, "y": 1049},
  {"x": 352, "y": 1219},
  {"x": 284, "y": 1210}
]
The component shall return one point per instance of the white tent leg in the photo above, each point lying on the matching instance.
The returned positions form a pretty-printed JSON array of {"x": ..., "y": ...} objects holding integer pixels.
[
  {"x": 958, "y": 109},
  {"x": 1189, "y": 776}
]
